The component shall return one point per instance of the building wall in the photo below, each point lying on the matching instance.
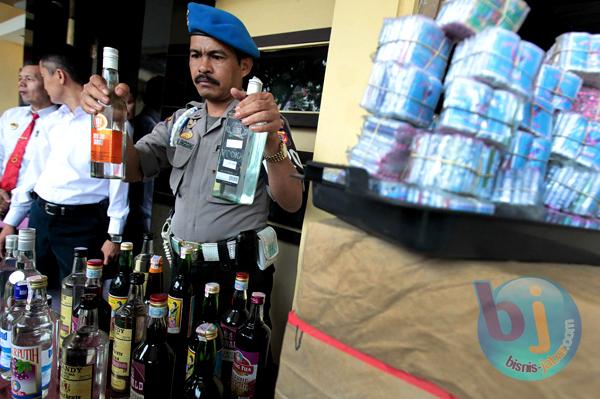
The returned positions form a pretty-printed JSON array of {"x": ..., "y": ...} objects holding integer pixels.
[{"x": 11, "y": 55}]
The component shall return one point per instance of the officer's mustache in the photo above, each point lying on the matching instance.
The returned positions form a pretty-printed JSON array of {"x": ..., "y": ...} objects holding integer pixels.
[{"x": 205, "y": 77}]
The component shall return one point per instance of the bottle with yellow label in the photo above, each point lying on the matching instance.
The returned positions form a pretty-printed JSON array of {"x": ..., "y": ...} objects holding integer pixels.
[
  {"x": 71, "y": 291},
  {"x": 119, "y": 286},
  {"x": 109, "y": 137}
]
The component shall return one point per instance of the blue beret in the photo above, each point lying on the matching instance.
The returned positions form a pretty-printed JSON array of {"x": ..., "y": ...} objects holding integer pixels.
[{"x": 222, "y": 26}]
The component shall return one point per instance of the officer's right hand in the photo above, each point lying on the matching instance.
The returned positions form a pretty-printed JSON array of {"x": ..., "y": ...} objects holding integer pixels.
[{"x": 96, "y": 92}]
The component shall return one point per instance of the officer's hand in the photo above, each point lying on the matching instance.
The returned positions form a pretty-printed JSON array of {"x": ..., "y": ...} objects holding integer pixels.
[
  {"x": 110, "y": 251},
  {"x": 257, "y": 108},
  {"x": 96, "y": 92},
  {"x": 4, "y": 201},
  {"x": 6, "y": 230}
]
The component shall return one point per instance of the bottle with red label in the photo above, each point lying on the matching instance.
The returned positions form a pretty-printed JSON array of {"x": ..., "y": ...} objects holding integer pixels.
[
  {"x": 153, "y": 360},
  {"x": 251, "y": 352},
  {"x": 108, "y": 139},
  {"x": 201, "y": 384}
]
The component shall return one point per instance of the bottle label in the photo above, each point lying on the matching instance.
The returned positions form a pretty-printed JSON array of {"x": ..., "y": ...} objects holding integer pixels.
[
  {"x": 31, "y": 368},
  {"x": 76, "y": 381},
  {"x": 66, "y": 312},
  {"x": 175, "y": 306},
  {"x": 137, "y": 380},
  {"x": 229, "y": 334},
  {"x": 157, "y": 312},
  {"x": 240, "y": 285},
  {"x": 5, "y": 346},
  {"x": 121, "y": 357},
  {"x": 243, "y": 373},
  {"x": 115, "y": 303},
  {"x": 189, "y": 367},
  {"x": 107, "y": 144},
  {"x": 91, "y": 274}
]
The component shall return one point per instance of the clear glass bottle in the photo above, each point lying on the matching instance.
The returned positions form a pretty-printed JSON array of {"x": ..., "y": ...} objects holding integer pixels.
[
  {"x": 129, "y": 329},
  {"x": 119, "y": 286},
  {"x": 71, "y": 291},
  {"x": 25, "y": 265},
  {"x": 240, "y": 158},
  {"x": 154, "y": 360},
  {"x": 32, "y": 344},
  {"x": 209, "y": 313},
  {"x": 201, "y": 384},
  {"x": 9, "y": 264},
  {"x": 6, "y": 324},
  {"x": 85, "y": 355},
  {"x": 108, "y": 127},
  {"x": 142, "y": 260}
]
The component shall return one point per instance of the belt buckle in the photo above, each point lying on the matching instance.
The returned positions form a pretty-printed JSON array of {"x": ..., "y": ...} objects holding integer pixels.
[{"x": 50, "y": 209}]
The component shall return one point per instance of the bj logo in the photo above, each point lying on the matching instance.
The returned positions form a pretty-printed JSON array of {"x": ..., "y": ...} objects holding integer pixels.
[{"x": 529, "y": 328}]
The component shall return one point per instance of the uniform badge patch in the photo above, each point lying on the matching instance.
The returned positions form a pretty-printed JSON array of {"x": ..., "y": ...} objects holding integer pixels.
[
  {"x": 186, "y": 135},
  {"x": 14, "y": 125}
]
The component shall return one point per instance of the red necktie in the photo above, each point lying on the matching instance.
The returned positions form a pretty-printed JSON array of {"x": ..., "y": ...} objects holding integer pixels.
[{"x": 11, "y": 173}]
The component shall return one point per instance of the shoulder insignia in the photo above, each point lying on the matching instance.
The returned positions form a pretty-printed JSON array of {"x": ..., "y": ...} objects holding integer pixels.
[{"x": 186, "y": 135}]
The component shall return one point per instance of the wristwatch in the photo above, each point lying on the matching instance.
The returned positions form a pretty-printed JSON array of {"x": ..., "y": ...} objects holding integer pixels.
[
  {"x": 116, "y": 238},
  {"x": 279, "y": 155}
]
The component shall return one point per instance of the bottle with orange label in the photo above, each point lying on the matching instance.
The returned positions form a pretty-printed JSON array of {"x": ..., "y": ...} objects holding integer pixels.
[{"x": 108, "y": 127}]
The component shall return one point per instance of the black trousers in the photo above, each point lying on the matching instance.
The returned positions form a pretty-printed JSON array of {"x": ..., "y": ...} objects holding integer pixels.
[{"x": 56, "y": 236}]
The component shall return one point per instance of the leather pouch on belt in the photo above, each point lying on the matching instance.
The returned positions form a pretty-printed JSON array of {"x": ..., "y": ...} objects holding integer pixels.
[{"x": 267, "y": 247}]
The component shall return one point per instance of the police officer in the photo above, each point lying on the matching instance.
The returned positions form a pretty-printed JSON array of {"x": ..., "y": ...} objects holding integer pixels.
[{"x": 221, "y": 54}]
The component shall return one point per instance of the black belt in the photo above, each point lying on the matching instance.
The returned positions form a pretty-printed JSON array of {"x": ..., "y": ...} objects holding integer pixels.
[{"x": 53, "y": 209}]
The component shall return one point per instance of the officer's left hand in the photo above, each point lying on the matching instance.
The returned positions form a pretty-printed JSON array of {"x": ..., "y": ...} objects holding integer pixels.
[
  {"x": 110, "y": 251},
  {"x": 257, "y": 108}
]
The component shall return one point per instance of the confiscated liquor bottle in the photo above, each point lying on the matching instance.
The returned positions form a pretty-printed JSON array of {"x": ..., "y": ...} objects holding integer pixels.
[
  {"x": 180, "y": 317},
  {"x": 32, "y": 344},
  {"x": 93, "y": 285},
  {"x": 6, "y": 325},
  {"x": 71, "y": 291},
  {"x": 142, "y": 260},
  {"x": 240, "y": 158},
  {"x": 108, "y": 126},
  {"x": 9, "y": 264},
  {"x": 232, "y": 320},
  {"x": 251, "y": 351},
  {"x": 154, "y": 283},
  {"x": 129, "y": 328},
  {"x": 201, "y": 384},
  {"x": 85, "y": 355},
  {"x": 119, "y": 286},
  {"x": 209, "y": 313},
  {"x": 25, "y": 264},
  {"x": 153, "y": 360}
]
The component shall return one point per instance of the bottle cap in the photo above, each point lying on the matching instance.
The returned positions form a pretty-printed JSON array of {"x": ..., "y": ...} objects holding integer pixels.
[
  {"x": 16, "y": 276},
  {"x": 126, "y": 246},
  {"x": 207, "y": 330},
  {"x": 95, "y": 263},
  {"x": 148, "y": 236},
  {"x": 11, "y": 241},
  {"x": 242, "y": 276},
  {"x": 258, "y": 298},
  {"x": 110, "y": 58},
  {"x": 80, "y": 252},
  {"x": 137, "y": 278},
  {"x": 158, "y": 299},
  {"x": 27, "y": 233},
  {"x": 20, "y": 290},
  {"x": 254, "y": 85},
  {"x": 94, "y": 268},
  {"x": 156, "y": 264},
  {"x": 39, "y": 281},
  {"x": 212, "y": 288},
  {"x": 186, "y": 250}
]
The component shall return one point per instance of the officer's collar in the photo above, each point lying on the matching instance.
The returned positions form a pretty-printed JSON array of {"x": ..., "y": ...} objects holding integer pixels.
[{"x": 202, "y": 114}]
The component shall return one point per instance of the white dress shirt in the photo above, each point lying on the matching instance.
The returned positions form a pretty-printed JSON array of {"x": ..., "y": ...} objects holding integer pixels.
[
  {"x": 60, "y": 171},
  {"x": 13, "y": 123}
]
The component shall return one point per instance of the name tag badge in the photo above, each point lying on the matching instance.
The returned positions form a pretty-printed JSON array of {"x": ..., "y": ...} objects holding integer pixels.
[
  {"x": 14, "y": 125},
  {"x": 185, "y": 144}
]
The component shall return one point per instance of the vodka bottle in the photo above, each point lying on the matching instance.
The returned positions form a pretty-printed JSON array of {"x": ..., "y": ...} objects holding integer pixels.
[
  {"x": 25, "y": 265},
  {"x": 9, "y": 264},
  {"x": 71, "y": 291},
  {"x": 85, "y": 355},
  {"x": 6, "y": 324},
  {"x": 32, "y": 344},
  {"x": 108, "y": 126},
  {"x": 240, "y": 158}
]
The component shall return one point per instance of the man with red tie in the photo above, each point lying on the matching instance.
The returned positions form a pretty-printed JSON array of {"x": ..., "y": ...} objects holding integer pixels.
[{"x": 19, "y": 127}]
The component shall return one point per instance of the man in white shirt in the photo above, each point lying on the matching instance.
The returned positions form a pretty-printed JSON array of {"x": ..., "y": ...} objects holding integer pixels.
[
  {"x": 18, "y": 125},
  {"x": 67, "y": 207}
]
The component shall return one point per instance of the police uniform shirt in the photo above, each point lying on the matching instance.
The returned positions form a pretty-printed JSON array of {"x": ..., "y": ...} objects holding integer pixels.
[
  {"x": 200, "y": 217},
  {"x": 12, "y": 125},
  {"x": 60, "y": 171}
]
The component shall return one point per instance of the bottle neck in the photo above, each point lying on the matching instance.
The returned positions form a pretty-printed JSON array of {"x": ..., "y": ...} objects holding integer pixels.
[
  {"x": 11, "y": 253},
  {"x": 148, "y": 247},
  {"x": 88, "y": 318},
  {"x": 112, "y": 78},
  {"x": 185, "y": 265},
  {"x": 239, "y": 300},
  {"x": 157, "y": 329},
  {"x": 256, "y": 314},
  {"x": 135, "y": 293},
  {"x": 126, "y": 263},
  {"x": 210, "y": 308},
  {"x": 26, "y": 259},
  {"x": 37, "y": 297},
  {"x": 204, "y": 362},
  {"x": 79, "y": 265}
]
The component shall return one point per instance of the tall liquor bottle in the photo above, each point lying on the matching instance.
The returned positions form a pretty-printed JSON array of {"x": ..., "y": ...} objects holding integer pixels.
[
  {"x": 232, "y": 320},
  {"x": 25, "y": 264},
  {"x": 142, "y": 260},
  {"x": 209, "y": 313},
  {"x": 240, "y": 158},
  {"x": 153, "y": 360},
  {"x": 154, "y": 284},
  {"x": 32, "y": 344},
  {"x": 9, "y": 264},
  {"x": 129, "y": 328},
  {"x": 71, "y": 291},
  {"x": 201, "y": 384},
  {"x": 85, "y": 355},
  {"x": 108, "y": 126},
  {"x": 6, "y": 325},
  {"x": 119, "y": 286},
  {"x": 93, "y": 285},
  {"x": 251, "y": 351},
  {"x": 180, "y": 317}
]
